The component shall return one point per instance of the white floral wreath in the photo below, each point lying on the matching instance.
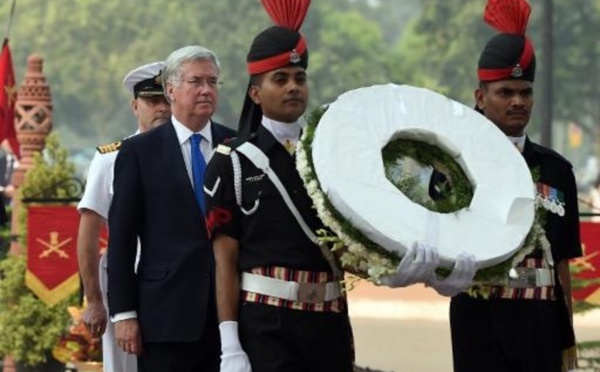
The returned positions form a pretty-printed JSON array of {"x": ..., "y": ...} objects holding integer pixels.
[{"x": 364, "y": 256}]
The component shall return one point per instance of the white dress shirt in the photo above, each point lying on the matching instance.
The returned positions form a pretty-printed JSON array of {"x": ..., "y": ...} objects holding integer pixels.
[
  {"x": 519, "y": 142},
  {"x": 184, "y": 135}
]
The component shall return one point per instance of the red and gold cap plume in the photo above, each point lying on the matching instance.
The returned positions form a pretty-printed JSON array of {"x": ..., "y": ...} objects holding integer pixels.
[
  {"x": 287, "y": 13},
  {"x": 510, "y": 54},
  {"x": 282, "y": 44}
]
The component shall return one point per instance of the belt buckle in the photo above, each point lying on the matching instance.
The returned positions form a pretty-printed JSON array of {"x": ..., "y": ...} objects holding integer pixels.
[
  {"x": 311, "y": 293},
  {"x": 522, "y": 277}
]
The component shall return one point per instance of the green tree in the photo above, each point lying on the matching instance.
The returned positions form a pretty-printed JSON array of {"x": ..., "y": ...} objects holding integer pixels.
[
  {"x": 89, "y": 45},
  {"x": 440, "y": 51},
  {"x": 29, "y": 328},
  {"x": 577, "y": 62},
  {"x": 344, "y": 57}
]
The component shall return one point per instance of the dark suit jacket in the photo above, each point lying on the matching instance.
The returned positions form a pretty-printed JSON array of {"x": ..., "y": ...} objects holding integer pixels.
[
  {"x": 3, "y": 215},
  {"x": 3, "y": 169},
  {"x": 6, "y": 172},
  {"x": 173, "y": 291},
  {"x": 5, "y": 175}
]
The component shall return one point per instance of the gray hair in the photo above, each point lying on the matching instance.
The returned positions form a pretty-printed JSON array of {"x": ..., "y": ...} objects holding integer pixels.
[{"x": 177, "y": 58}]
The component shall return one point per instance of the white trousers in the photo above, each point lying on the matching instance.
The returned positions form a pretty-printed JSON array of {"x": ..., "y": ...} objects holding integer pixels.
[{"x": 114, "y": 359}]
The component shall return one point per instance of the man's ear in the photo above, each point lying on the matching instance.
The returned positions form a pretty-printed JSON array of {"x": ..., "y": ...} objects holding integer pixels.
[
  {"x": 254, "y": 94},
  {"x": 478, "y": 94},
  {"x": 169, "y": 89}
]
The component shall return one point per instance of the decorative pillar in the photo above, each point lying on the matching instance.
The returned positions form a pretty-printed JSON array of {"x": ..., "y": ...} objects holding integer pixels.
[{"x": 33, "y": 123}]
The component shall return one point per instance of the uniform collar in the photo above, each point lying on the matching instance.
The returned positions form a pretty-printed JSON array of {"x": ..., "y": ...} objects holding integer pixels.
[
  {"x": 530, "y": 152},
  {"x": 518, "y": 142},
  {"x": 282, "y": 132},
  {"x": 265, "y": 139},
  {"x": 267, "y": 136}
]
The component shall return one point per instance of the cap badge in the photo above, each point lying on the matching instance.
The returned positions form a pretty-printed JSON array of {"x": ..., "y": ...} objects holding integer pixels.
[
  {"x": 294, "y": 57},
  {"x": 517, "y": 71}
]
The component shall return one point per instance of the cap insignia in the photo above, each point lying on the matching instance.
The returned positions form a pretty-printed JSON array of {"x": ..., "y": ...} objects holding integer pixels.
[
  {"x": 294, "y": 57},
  {"x": 517, "y": 71}
]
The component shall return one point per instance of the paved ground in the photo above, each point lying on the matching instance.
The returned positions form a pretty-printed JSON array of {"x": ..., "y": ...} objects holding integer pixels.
[{"x": 406, "y": 330}]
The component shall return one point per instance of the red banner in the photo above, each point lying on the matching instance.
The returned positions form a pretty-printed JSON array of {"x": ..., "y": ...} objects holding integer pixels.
[
  {"x": 589, "y": 264},
  {"x": 52, "y": 271},
  {"x": 8, "y": 97}
]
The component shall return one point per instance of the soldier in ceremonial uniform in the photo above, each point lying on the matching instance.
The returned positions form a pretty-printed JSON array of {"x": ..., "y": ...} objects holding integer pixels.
[
  {"x": 527, "y": 324},
  {"x": 150, "y": 109},
  {"x": 280, "y": 304},
  {"x": 279, "y": 300}
]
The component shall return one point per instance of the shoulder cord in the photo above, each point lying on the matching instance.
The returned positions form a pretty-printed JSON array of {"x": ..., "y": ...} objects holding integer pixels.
[
  {"x": 237, "y": 184},
  {"x": 261, "y": 161}
]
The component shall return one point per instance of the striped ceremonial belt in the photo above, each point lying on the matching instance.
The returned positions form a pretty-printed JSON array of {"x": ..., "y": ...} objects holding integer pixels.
[
  {"x": 534, "y": 292},
  {"x": 333, "y": 300}
]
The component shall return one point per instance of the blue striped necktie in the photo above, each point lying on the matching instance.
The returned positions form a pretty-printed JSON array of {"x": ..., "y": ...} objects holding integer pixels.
[{"x": 198, "y": 167}]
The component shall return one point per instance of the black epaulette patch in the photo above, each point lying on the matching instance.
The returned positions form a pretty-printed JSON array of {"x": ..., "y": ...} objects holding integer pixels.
[
  {"x": 553, "y": 154},
  {"x": 228, "y": 140},
  {"x": 231, "y": 143},
  {"x": 237, "y": 141},
  {"x": 111, "y": 147}
]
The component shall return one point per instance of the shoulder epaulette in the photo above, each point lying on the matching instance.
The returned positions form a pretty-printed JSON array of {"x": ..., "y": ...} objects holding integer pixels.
[
  {"x": 230, "y": 144},
  {"x": 223, "y": 149},
  {"x": 553, "y": 154},
  {"x": 111, "y": 147},
  {"x": 235, "y": 142}
]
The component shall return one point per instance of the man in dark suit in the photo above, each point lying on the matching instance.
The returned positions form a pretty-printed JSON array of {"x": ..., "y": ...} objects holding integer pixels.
[
  {"x": 166, "y": 312},
  {"x": 8, "y": 163}
]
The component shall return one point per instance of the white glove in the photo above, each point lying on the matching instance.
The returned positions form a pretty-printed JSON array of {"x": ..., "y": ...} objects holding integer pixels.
[
  {"x": 417, "y": 265},
  {"x": 233, "y": 357},
  {"x": 459, "y": 279}
]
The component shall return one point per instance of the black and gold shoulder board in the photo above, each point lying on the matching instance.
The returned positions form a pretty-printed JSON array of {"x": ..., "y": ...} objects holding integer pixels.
[{"x": 111, "y": 147}]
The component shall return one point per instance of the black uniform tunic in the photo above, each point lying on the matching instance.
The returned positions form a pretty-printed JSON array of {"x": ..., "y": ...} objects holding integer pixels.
[
  {"x": 512, "y": 335},
  {"x": 270, "y": 236},
  {"x": 276, "y": 338}
]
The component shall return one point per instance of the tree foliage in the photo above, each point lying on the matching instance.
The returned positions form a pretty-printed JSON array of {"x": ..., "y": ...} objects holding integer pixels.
[
  {"x": 89, "y": 45},
  {"x": 29, "y": 328},
  {"x": 441, "y": 49},
  {"x": 50, "y": 171}
]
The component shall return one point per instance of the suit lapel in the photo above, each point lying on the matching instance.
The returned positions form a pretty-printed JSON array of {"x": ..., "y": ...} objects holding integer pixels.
[
  {"x": 218, "y": 134},
  {"x": 173, "y": 162},
  {"x": 529, "y": 154}
]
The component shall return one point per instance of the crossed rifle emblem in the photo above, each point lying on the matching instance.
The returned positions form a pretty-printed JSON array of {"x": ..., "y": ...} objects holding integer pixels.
[{"x": 54, "y": 246}]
